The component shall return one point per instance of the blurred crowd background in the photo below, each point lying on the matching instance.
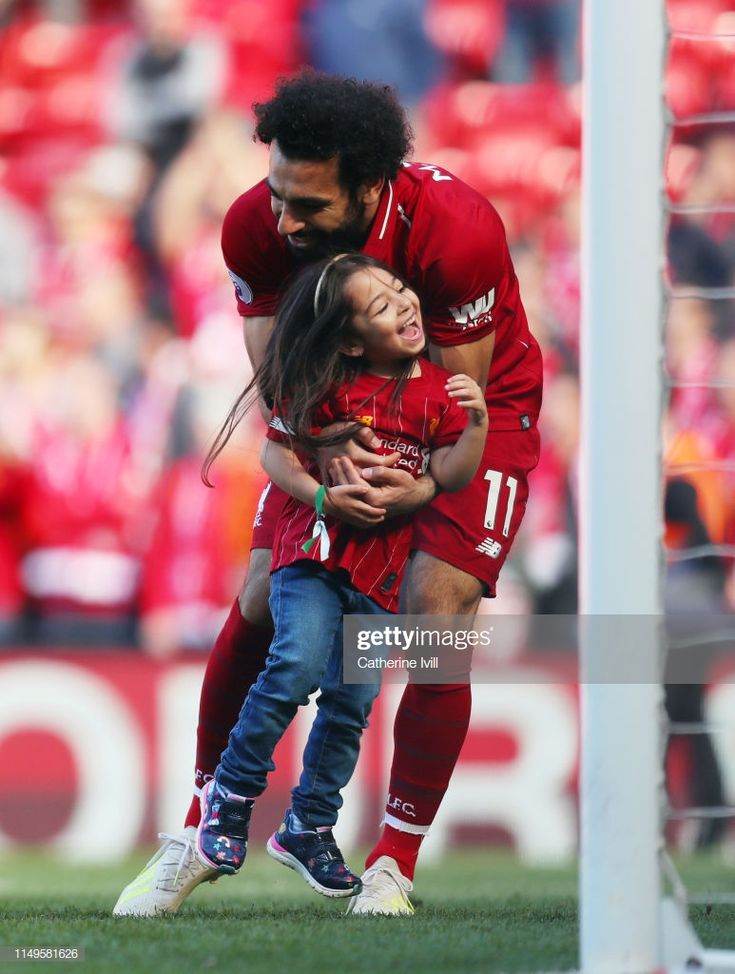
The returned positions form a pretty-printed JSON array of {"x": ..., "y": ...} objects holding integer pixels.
[{"x": 125, "y": 133}]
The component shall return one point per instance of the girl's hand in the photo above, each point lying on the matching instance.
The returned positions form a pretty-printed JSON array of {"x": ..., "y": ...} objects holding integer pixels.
[
  {"x": 346, "y": 503},
  {"x": 391, "y": 488},
  {"x": 469, "y": 396}
]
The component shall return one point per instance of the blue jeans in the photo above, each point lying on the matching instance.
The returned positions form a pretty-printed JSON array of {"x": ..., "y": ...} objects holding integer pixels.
[{"x": 307, "y": 603}]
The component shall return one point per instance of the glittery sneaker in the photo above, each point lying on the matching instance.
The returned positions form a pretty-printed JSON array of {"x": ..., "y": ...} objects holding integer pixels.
[
  {"x": 314, "y": 855},
  {"x": 222, "y": 836}
]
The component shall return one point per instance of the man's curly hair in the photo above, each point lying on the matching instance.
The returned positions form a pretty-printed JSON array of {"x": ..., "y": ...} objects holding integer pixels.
[{"x": 316, "y": 116}]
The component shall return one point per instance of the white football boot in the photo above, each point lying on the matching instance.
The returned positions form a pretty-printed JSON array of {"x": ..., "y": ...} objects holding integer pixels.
[
  {"x": 167, "y": 879},
  {"x": 384, "y": 890}
]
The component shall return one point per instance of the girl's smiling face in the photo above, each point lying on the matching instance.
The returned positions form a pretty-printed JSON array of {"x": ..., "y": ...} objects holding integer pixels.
[{"x": 387, "y": 324}]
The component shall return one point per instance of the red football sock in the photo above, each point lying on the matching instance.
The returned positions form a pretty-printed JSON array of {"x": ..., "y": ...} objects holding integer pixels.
[
  {"x": 401, "y": 846},
  {"x": 429, "y": 730},
  {"x": 236, "y": 660}
]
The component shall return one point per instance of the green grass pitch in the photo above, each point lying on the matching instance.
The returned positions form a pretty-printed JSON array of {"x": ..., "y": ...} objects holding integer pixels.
[{"x": 476, "y": 912}]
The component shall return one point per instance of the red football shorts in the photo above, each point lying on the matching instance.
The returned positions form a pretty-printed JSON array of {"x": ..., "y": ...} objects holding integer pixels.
[
  {"x": 269, "y": 510},
  {"x": 473, "y": 529}
]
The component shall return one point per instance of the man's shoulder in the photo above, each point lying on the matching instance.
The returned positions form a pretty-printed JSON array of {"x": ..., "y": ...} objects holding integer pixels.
[
  {"x": 251, "y": 212},
  {"x": 254, "y": 253},
  {"x": 432, "y": 190},
  {"x": 449, "y": 219},
  {"x": 254, "y": 199}
]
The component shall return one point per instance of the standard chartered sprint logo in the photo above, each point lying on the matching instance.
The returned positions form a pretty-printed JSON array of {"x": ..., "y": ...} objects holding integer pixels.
[{"x": 414, "y": 457}]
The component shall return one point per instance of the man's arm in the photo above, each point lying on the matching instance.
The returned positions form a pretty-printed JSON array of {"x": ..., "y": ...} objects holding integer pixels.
[
  {"x": 472, "y": 359},
  {"x": 393, "y": 489},
  {"x": 344, "y": 501},
  {"x": 256, "y": 332}
]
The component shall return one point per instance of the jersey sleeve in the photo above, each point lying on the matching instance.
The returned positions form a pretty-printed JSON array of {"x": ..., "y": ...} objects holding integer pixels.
[
  {"x": 254, "y": 255},
  {"x": 279, "y": 432},
  {"x": 452, "y": 418},
  {"x": 451, "y": 424},
  {"x": 470, "y": 286}
]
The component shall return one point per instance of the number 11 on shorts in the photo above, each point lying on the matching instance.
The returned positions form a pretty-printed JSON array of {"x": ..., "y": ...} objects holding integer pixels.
[{"x": 495, "y": 478}]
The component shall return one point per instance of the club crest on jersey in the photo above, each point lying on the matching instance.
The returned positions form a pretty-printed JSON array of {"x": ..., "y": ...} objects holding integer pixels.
[
  {"x": 242, "y": 289},
  {"x": 475, "y": 313}
]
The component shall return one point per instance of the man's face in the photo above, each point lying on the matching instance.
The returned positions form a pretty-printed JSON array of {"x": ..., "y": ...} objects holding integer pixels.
[{"x": 315, "y": 213}]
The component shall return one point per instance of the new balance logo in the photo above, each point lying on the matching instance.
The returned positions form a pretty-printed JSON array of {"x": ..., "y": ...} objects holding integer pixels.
[
  {"x": 490, "y": 548},
  {"x": 475, "y": 313}
]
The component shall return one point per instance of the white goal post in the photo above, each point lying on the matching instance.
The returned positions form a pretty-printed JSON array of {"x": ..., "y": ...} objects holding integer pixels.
[{"x": 626, "y": 926}]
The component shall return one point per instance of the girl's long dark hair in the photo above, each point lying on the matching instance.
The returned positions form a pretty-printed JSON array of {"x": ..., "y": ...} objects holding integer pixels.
[{"x": 303, "y": 360}]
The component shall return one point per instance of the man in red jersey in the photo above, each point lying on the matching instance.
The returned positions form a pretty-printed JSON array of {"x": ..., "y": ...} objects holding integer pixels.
[{"x": 338, "y": 180}]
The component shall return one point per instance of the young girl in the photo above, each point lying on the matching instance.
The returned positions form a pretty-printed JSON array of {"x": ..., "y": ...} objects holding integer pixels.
[{"x": 344, "y": 350}]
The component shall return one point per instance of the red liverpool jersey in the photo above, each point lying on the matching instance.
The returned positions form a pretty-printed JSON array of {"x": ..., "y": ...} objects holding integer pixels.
[
  {"x": 424, "y": 420},
  {"x": 449, "y": 244}
]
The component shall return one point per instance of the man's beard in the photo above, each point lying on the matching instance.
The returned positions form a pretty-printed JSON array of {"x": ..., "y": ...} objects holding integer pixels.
[{"x": 350, "y": 237}]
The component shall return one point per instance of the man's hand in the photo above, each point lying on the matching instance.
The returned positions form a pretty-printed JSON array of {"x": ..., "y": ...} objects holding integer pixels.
[
  {"x": 358, "y": 448},
  {"x": 347, "y": 503},
  {"x": 393, "y": 490}
]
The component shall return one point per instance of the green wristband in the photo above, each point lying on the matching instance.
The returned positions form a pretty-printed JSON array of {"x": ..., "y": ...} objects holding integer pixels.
[{"x": 319, "y": 505}]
